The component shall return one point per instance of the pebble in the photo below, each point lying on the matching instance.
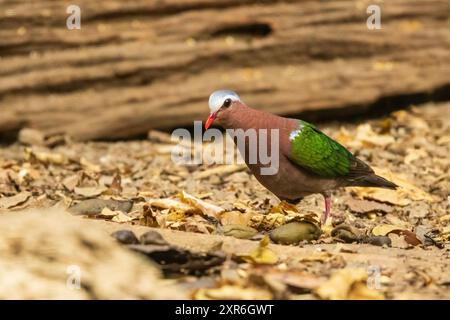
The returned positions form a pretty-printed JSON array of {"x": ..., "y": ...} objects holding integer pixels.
[
  {"x": 295, "y": 232},
  {"x": 125, "y": 237},
  {"x": 152, "y": 237}
]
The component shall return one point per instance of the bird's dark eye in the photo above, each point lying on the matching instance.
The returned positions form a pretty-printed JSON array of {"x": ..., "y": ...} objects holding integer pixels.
[{"x": 227, "y": 103}]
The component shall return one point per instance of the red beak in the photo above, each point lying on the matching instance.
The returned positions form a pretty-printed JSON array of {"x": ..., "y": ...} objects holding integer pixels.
[{"x": 210, "y": 120}]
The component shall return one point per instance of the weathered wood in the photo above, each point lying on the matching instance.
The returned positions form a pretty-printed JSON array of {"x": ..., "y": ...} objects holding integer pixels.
[{"x": 137, "y": 65}]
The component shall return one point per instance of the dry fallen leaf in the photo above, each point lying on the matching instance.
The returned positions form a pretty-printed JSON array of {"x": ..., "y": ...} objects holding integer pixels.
[
  {"x": 121, "y": 217},
  {"x": 262, "y": 254},
  {"x": 89, "y": 165},
  {"x": 6, "y": 183},
  {"x": 413, "y": 154},
  {"x": 410, "y": 237},
  {"x": 10, "y": 202},
  {"x": 108, "y": 213},
  {"x": 387, "y": 229},
  {"x": 175, "y": 204},
  {"x": 366, "y": 206},
  {"x": 45, "y": 157},
  {"x": 444, "y": 140},
  {"x": 317, "y": 256},
  {"x": 284, "y": 208},
  {"x": 205, "y": 207},
  {"x": 71, "y": 182},
  {"x": 445, "y": 233},
  {"x": 364, "y": 137},
  {"x": 360, "y": 291},
  {"x": 267, "y": 221},
  {"x": 384, "y": 229},
  {"x": 408, "y": 119},
  {"x": 348, "y": 284},
  {"x": 404, "y": 195},
  {"x": 398, "y": 241},
  {"x": 89, "y": 192},
  {"x": 235, "y": 217}
]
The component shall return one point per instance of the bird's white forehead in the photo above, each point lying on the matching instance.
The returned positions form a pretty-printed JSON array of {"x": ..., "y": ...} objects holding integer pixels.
[{"x": 217, "y": 98}]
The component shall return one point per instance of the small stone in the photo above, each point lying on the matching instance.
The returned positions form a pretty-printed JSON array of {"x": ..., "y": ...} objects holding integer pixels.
[
  {"x": 152, "y": 237},
  {"x": 125, "y": 237},
  {"x": 95, "y": 206},
  {"x": 345, "y": 233},
  {"x": 295, "y": 232},
  {"x": 379, "y": 241}
]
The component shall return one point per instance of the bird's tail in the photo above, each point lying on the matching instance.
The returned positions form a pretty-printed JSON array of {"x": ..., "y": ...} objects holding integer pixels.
[{"x": 375, "y": 181}]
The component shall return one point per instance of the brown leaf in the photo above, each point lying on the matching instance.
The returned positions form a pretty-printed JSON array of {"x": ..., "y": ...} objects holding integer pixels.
[
  {"x": 235, "y": 217},
  {"x": 89, "y": 192},
  {"x": 262, "y": 254},
  {"x": 121, "y": 217},
  {"x": 71, "y": 182},
  {"x": 384, "y": 229},
  {"x": 267, "y": 221},
  {"x": 116, "y": 185},
  {"x": 169, "y": 203},
  {"x": 348, "y": 284},
  {"x": 409, "y": 236},
  {"x": 205, "y": 207},
  {"x": 6, "y": 183},
  {"x": 365, "y": 206},
  {"x": 108, "y": 213},
  {"x": 9, "y": 202},
  {"x": 89, "y": 165},
  {"x": 397, "y": 241},
  {"x": 364, "y": 137},
  {"x": 45, "y": 157},
  {"x": 402, "y": 196}
]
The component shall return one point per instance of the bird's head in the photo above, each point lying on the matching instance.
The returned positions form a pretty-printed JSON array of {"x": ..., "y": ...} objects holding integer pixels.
[{"x": 221, "y": 103}]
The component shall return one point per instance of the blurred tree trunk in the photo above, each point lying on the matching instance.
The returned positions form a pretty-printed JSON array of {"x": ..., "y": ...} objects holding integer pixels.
[{"x": 137, "y": 65}]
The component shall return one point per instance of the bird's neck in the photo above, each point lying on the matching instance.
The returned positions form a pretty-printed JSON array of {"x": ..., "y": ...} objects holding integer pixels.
[{"x": 250, "y": 118}]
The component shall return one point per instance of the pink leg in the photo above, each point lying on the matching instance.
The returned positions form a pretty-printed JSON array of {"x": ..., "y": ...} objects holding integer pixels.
[{"x": 327, "y": 208}]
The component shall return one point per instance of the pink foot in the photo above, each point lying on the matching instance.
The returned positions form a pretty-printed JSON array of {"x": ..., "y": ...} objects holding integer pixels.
[{"x": 327, "y": 212}]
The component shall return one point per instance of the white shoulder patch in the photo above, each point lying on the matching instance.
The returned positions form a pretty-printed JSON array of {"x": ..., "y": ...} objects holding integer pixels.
[{"x": 294, "y": 134}]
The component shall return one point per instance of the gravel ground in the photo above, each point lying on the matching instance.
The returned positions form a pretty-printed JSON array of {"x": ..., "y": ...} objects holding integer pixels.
[{"x": 386, "y": 244}]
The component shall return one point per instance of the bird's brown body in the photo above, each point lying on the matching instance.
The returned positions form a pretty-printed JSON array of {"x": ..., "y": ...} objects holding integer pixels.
[
  {"x": 308, "y": 161},
  {"x": 291, "y": 182}
]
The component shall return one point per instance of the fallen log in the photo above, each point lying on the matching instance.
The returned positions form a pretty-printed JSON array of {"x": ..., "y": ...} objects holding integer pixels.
[{"x": 135, "y": 66}]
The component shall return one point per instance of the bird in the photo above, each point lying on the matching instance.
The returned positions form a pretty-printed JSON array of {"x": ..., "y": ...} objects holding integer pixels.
[{"x": 310, "y": 162}]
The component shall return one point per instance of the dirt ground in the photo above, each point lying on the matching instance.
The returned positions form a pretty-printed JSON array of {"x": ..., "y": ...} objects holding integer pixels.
[{"x": 385, "y": 245}]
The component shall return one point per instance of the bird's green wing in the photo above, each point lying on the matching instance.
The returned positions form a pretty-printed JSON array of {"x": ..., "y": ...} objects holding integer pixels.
[{"x": 318, "y": 153}]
